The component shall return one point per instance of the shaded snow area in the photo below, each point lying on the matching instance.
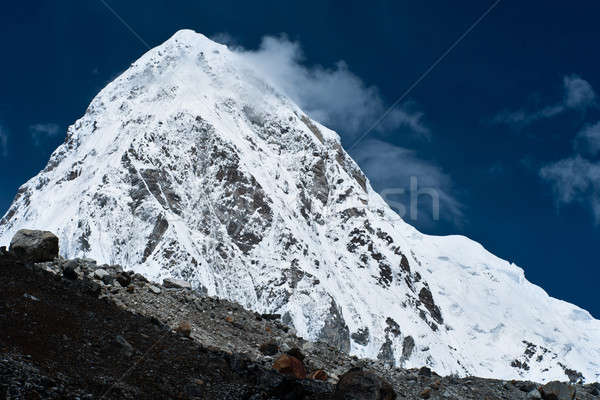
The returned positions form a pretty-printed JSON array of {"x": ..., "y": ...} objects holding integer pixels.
[{"x": 191, "y": 165}]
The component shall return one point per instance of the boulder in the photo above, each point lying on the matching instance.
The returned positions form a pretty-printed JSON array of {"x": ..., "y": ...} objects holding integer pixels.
[
  {"x": 34, "y": 246},
  {"x": 295, "y": 352},
  {"x": 123, "y": 278},
  {"x": 176, "y": 283},
  {"x": 556, "y": 390},
  {"x": 358, "y": 384},
  {"x": 139, "y": 277},
  {"x": 319, "y": 375},
  {"x": 100, "y": 273},
  {"x": 269, "y": 348},
  {"x": 154, "y": 289},
  {"x": 534, "y": 395},
  {"x": 69, "y": 272},
  {"x": 184, "y": 328},
  {"x": 289, "y": 365}
]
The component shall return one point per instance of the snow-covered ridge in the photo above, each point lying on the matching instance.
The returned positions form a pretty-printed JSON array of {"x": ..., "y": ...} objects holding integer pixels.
[{"x": 191, "y": 165}]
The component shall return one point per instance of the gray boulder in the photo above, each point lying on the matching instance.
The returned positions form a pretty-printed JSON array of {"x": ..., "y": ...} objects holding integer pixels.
[
  {"x": 534, "y": 395},
  {"x": 557, "y": 391},
  {"x": 176, "y": 283},
  {"x": 34, "y": 246},
  {"x": 100, "y": 273}
]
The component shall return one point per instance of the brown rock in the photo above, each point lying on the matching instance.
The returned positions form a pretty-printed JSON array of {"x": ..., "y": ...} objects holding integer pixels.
[
  {"x": 426, "y": 393},
  {"x": 184, "y": 328},
  {"x": 289, "y": 365},
  {"x": 229, "y": 318},
  {"x": 319, "y": 375}
]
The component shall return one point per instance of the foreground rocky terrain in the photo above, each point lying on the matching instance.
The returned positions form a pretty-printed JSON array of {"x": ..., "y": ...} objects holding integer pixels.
[{"x": 75, "y": 329}]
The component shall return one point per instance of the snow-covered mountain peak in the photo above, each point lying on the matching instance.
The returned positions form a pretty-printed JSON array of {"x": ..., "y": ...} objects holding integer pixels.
[{"x": 191, "y": 164}]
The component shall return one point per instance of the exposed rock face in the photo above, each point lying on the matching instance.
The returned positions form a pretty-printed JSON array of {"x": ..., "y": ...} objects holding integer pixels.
[
  {"x": 408, "y": 344},
  {"x": 34, "y": 246},
  {"x": 386, "y": 353},
  {"x": 361, "y": 336},
  {"x": 192, "y": 166},
  {"x": 335, "y": 330}
]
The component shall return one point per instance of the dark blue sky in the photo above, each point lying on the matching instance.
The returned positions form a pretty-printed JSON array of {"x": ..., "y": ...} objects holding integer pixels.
[{"x": 496, "y": 108}]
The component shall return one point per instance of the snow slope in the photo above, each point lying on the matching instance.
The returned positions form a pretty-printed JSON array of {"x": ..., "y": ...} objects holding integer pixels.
[{"x": 191, "y": 165}]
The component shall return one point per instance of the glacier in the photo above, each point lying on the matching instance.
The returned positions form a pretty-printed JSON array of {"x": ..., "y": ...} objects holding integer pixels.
[{"x": 192, "y": 165}]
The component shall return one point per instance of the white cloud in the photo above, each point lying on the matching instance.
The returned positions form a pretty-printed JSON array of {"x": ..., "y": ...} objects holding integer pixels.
[
  {"x": 588, "y": 140},
  {"x": 393, "y": 170},
  {"x": 575, "y": 180},
  {"x": 578, "y": 94},
  {"x": 341, "y": 100},
  {"x": 43, "y": 130},
  {"x": 3, "y": 143},
  {"x": 334, "y": 96}
]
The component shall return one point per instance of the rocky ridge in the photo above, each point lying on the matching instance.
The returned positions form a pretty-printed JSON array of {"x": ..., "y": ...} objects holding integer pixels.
[{"x": 189, "y": 345}]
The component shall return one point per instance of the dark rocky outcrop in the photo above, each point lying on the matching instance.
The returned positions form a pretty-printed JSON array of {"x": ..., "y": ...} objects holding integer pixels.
[
  {"x": 335, "y": 331},
  {"x": 408, "y": 344},
  {"x": 361, "y": 336},
  {"x": 427, "y": 299},
  {"x": 386, "y": 353},
  {"x": 358, "y": 384}
]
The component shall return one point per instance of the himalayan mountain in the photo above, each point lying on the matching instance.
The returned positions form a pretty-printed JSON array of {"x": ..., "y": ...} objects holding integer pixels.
[{"x": 193, "y": 165}]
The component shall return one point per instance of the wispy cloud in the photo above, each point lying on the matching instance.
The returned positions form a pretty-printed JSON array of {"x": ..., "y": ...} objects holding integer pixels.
[
  {"x": 578, "y": 95},
  {"x": 588, "y": 140},
  {"x": 3, "y": 143},
  {"x": 406, "y": 181},
  {"x": 225, "y": 38},
  {"x": 575, "y": 180},
  {"x": 43, "y": 130},
  {"x": 334, "y": 96}
]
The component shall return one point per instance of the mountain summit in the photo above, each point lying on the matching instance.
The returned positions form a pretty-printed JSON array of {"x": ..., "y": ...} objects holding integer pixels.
[{"x": 192, "y": 165}]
